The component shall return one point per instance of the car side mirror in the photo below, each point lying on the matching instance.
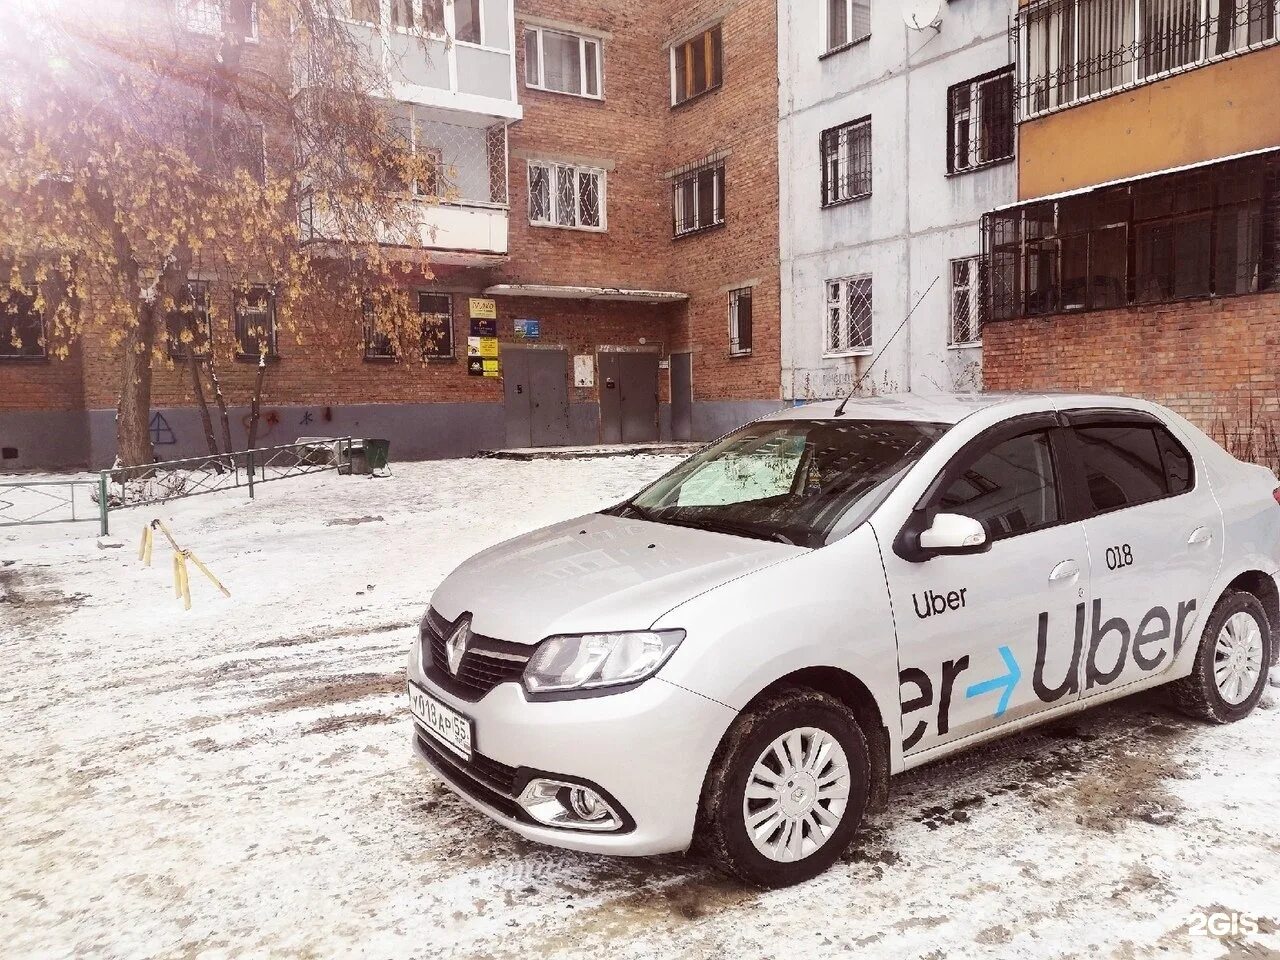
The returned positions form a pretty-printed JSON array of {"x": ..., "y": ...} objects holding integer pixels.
[{"x": 950, "y": 533}]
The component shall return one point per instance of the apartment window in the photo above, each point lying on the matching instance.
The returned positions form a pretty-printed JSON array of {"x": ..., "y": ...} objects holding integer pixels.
[
  {"x": 740, "y": 322},
  {"x": 21, "y": 326},
  {"x": 980, "y": 121},
  {"x": 419, "y": 163},
  {"x": 1070, "y": 50},
  {"x": 1210, "y": 231},
  {"x": 466, "y": 21},
  {"x": 187, "y": 325},
  {"x": 435, "y": 311},
  {"x": 848, "y": 315},
  {"x": 402, "y": 14},
  {"x": 696, "y": 65},
  {"x": 848, "y": 21},
  {"x": 698, "y": 196},
  {"x": 236, "y": 144},
  {"x": 378, "y": 344},
  {"x": 366, "y": 11},
  {"x": 846, "y": 162},
  {"x": 206, "y": 16},
  {"x": 255, "y": 322},
  {"x": 562, "y": 62},
  {"x": 966, "y": 300},
  {"x": 563, "y": 195}
]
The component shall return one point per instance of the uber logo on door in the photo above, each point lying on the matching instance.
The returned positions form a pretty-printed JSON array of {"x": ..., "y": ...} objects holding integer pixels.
[{"x": 931, "y": 603}]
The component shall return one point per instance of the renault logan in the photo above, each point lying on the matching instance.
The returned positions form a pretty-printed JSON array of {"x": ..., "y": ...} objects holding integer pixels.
[{"x": 741, "y": 655}]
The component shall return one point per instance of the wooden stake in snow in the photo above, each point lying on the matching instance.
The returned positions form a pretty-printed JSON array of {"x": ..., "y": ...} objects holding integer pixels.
[{"x": 181, "y": 582}]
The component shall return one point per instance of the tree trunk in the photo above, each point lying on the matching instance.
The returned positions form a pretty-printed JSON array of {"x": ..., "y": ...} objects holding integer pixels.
[
  {"x": 206, "y": 421},
  {"x": 133, "y": 415},
  {"x": 221, "y": 401},
  {"x": 255, "y": 405}
]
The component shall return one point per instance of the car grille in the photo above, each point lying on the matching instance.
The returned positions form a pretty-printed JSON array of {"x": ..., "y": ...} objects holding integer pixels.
[
  {"x": 480, "y": 778},
  {"x": 487, "y": 662}
]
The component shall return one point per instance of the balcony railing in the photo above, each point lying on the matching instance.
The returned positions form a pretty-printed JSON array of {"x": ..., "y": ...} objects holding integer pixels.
[
  {"x": 1069, "y": 51},
  {"x": 460, "y": 205}
]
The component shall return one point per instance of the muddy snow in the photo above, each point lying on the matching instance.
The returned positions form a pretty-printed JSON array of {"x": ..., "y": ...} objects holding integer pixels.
[{"x": 236, "y": 780}]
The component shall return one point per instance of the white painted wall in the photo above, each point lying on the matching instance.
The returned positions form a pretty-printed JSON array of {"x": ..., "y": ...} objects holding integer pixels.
[{"x": 917, "y": 218}]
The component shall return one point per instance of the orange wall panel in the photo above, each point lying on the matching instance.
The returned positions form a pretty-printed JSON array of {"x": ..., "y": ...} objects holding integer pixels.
[{"x": 1214, "y": 111}]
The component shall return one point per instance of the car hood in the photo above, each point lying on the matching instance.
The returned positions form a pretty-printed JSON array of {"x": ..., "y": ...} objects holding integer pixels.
[{"x": 593, "y": 574}]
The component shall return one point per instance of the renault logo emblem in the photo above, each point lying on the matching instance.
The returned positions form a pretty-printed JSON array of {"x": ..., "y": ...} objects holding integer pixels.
[{"x": 456, "y": 646}]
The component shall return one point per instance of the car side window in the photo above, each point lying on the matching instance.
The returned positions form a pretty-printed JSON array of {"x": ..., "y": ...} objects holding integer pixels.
[
  {"x": 1128, "y": 464},
  {"x": 1010, "y": 488}
]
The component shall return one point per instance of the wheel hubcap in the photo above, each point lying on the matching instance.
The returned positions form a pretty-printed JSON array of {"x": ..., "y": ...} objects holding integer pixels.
[
  {"x": 1237, "y": 658},
  {"x": 796, "y": 794}
]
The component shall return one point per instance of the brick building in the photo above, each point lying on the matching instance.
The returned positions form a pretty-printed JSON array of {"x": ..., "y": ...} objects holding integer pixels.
[
  {"x": 1143, "y": 254},
  {"x": 609, "y": 229}
]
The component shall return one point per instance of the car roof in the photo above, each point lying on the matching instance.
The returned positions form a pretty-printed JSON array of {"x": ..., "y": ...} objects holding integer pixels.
[{"x": 947, "y": 407}]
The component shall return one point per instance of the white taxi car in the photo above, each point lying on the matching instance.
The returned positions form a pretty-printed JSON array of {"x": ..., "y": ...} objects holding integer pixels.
[{"x": 742, "y": 654}]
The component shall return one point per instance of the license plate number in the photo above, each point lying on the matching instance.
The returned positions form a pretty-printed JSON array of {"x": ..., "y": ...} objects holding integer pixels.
[{"x": 444, "y": 723}]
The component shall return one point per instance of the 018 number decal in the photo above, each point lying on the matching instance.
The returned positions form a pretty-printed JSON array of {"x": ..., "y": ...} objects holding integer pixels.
[{"x": 1117, "y": 557}]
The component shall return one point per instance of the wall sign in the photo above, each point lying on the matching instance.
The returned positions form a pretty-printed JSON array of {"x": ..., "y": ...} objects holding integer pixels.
[
  {"x": 528, "y": 329},
  {"x": 484, "y": 308},
  {"x": 486, "y": 347},
  {"x": 484, "y": 328},
  {"x": 483, "y": 367},
  {"x": 584, "y": 370}
]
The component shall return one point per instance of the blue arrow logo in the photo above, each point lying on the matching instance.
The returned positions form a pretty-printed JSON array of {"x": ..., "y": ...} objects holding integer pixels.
[{"x": 1007, "y": 683}]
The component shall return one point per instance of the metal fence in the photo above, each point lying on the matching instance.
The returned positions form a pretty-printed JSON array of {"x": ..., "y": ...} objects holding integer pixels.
[{"x": 67, "y": 501}]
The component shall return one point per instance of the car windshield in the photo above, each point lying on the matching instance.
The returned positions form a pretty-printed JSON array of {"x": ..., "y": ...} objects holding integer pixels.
[{"x": 804, "y": 482}]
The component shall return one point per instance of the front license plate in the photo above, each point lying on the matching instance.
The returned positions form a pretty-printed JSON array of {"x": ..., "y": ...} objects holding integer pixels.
[{"x": 444, "y": 723}]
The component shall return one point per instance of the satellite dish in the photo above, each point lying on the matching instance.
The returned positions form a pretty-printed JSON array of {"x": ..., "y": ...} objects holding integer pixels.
[{"x": 922, "y": 14}]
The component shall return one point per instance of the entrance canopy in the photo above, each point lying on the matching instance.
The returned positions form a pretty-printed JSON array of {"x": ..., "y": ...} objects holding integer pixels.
[{"x": 554, "y": 292}]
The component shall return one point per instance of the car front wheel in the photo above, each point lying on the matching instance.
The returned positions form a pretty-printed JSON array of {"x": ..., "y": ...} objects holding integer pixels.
[{"x": 787, "y": 789}]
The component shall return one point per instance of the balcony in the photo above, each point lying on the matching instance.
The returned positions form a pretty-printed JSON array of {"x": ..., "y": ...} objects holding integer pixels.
[
  {"x": 459, "y": 213},
  {"x": 1070, "y": 51},
  {"x": 462, "y": 59}
]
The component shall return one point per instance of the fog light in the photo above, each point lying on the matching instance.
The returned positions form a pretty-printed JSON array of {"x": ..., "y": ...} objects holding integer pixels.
[{"x": 570, "y": 806}]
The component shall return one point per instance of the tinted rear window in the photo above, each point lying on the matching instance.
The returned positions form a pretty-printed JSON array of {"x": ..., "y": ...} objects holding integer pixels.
[{"x": 1131, "y": 463}]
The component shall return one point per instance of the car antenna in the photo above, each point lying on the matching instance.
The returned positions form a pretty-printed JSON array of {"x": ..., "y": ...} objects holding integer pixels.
[{"x": 843, "y": 403}]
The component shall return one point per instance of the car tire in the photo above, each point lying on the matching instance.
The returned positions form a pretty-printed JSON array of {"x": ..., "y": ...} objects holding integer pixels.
[
  {"x": 831, "y": 739},
  {"x": 1236, "y": 645}
]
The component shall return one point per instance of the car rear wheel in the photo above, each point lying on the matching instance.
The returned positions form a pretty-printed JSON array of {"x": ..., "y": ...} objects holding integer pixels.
[
  {"x": 1230, "y": 672},
  {"x": 787, "y": 789}
]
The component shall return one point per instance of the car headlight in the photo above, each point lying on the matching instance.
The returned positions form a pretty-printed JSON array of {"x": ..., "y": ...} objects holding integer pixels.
[{"x": 593, "y": 660}]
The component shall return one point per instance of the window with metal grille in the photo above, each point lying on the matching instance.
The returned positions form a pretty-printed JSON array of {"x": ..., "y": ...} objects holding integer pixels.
[
  {"x": 696, "y": 65},
  {"x": 562, "y": 62},
  {"x": 1209, "y": 231},
  {"x": 207, "y": 16},
  {"x": 255, "y": 322},
  {"x": 846, "y": 162},
  {"x": 187, "y": 325},
  {"x": 378, "y": 344},
  {"x": 1070, "y": 50},
  {"x": 847, "y": 22},
  {"x": 980, "y": 121},
  {"x": 418, "y": 167},
  {"x": 849, "y": 315},
  {"x": 22, "y": 333},
  {"x": 436, "y": 313},
  {"x": 967, "y": 300},
  {"x": 698, "y": 194},
  {"x": 563, "y": 195},
  {"x": 740, "y": 322}
]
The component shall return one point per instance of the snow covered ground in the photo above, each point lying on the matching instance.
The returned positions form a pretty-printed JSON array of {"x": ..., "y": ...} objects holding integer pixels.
[{"x": 235, "y": 781}]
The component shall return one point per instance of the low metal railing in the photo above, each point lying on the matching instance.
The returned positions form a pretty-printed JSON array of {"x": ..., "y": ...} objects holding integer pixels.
[{"x": 59, "y": 501}]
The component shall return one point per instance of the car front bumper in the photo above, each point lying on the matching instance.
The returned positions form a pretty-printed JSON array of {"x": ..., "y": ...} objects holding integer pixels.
[{"x": 648, "y": 748}]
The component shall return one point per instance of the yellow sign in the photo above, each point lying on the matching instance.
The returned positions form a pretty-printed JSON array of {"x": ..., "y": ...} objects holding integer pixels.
[
  {"x": 484, "y": 309},
  {"x": 491, "y": 368},
  {"x": 482, "y": 347}
]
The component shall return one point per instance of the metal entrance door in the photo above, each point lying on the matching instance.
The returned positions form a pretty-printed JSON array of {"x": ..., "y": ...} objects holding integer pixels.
[
  {"x": 628, "y": 397},
  {"x": 682, "y": 396},
  {"x": 536, "y": 387}
]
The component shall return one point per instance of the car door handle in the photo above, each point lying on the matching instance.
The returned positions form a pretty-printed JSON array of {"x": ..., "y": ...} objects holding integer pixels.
[
  {"x": 1199, "y": 535},
  {"x": 1067, "y": 571}
]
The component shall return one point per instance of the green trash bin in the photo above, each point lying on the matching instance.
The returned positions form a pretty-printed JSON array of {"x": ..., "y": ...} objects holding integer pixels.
[{"x": 377, "y": 453}]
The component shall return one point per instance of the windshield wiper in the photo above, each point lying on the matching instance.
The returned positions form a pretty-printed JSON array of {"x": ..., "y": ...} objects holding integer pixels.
[{"x": 741, "y": 529}]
